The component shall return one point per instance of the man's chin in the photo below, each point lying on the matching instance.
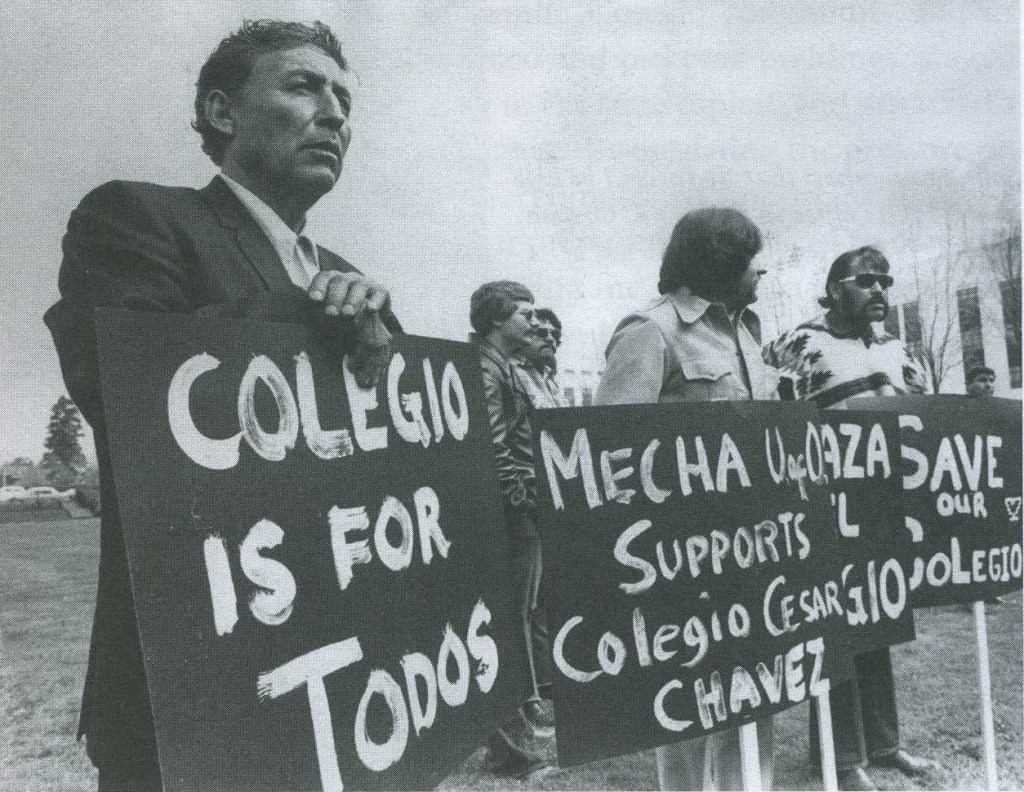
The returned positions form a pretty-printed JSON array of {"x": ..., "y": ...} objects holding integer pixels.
[{"x": 318, "y": 179}]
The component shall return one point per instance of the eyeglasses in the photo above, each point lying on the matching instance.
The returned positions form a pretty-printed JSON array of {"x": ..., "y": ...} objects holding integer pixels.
[{"x": 866, "y": 280}]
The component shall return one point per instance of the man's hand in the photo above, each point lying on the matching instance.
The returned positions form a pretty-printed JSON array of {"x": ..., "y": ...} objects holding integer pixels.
[
  {"x": 347, "y": 293},
  {"x": 354, "y": 296}
]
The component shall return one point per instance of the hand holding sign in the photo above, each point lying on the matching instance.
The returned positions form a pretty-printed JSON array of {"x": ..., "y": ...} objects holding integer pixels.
[{"x": 318, "y": 568}]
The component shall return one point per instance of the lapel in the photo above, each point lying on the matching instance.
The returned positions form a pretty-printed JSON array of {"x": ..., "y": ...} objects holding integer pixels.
[{"x": 252, "y": 242}]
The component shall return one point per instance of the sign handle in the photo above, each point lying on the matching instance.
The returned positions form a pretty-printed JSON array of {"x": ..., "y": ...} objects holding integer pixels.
[
  {"x": 988, "y": 736},
  {"x": 830, "y": 780},
  {"x": 749, "y": 758}
]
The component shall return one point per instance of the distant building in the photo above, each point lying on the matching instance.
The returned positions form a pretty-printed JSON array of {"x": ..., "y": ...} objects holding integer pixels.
[
  {"x": 967, "y": 313},
  {"x": 579, "y": 386}
]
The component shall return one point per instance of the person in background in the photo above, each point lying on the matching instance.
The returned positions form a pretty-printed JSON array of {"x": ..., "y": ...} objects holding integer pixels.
[
  {"x": 534, "y": 368},
  {"x": 832, "y": 359},
  {"x": 272, "y": 106},
  {"x": 981, "y": 381},
  {"x": 504, "y": 322},
  {"x": 536, "y": 364},
  {"x": 699, "y": 341},
  {"x": 981, "y": 384}
]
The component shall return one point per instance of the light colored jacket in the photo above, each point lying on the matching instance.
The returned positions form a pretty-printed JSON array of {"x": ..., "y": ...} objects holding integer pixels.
[{"x": 684, "y": 348}]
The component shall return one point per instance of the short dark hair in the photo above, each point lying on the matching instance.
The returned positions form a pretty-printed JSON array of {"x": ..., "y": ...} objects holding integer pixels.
[
  {"x": 549, "y": 316},
  {"x": 975, "y": 371},
  {"x": 708, "y": 247},
  {"x": 495, "y": 302},
  {"x": 229, "y": 66},
  {"x": 841, "y": 268}
]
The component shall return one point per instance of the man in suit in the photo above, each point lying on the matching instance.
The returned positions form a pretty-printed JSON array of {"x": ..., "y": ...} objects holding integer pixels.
[{"x": 272, "y": 106}]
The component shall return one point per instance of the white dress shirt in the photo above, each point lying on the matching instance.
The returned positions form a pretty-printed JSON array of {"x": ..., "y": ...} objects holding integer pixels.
[{"x": 297, "y": 253}]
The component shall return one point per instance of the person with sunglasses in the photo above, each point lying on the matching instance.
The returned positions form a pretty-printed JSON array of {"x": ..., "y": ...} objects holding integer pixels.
[
  {"x": 845, "y": 353},
  {"x": 832, "y": 359},
  {"x": 537, "y": 364}
]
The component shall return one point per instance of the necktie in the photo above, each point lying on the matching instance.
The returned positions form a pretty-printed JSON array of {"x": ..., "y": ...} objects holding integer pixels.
[{"x": 305, "y": 264}]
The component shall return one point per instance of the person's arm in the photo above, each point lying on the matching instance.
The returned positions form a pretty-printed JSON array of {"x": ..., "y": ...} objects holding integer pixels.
[
  {"x": 636, "y": 365},
  {"x": 915, "y": 378},
  {"x": 118, "y": 254},
  {"x": 512, "y": 477},
  {"x": 787, "y": 386},
  {"x": 121, "y": 252}
]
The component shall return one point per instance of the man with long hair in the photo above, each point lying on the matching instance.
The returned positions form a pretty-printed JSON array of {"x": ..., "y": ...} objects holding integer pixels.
[{"x": 699, "y": 341}]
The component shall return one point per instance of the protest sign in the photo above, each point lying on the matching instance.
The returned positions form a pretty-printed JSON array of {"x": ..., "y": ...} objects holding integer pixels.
[
  {"x": 318, "y": 569},
  {"x": 690, "y": 569},
  {"x": 961, "y": 462},
  {"x": 862, "y": 461}
]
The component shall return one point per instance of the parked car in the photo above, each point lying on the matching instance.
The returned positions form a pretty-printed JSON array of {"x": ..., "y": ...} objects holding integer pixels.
[
  {"x": 11, "y": 492},
  {"x": 42, "y": 493}
]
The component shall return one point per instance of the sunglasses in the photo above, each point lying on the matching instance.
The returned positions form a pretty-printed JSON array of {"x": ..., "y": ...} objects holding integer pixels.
[{"x": 868, "y": 279}]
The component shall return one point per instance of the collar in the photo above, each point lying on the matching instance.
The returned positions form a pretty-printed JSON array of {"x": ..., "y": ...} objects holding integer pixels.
[
  {"x": 690, "y": 308},
  {"x": 520, "y": 361},
  {"x": 840, "y": 327},
  {"x": 280, "y": 235},
  {"x": 492, "y": 352}
]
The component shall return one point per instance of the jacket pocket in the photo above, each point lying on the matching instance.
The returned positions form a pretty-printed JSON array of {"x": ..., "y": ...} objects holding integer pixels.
[{"x": 709, "y": 378}]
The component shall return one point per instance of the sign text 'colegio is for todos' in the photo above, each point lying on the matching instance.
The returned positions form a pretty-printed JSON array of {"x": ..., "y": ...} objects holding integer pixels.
[{"x": 317, "y": 567}]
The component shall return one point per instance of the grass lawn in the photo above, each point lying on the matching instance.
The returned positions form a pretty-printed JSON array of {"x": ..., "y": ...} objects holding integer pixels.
[{"x": 48, "y": 587}]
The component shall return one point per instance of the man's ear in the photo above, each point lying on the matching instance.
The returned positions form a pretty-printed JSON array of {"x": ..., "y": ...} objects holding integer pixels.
[{"x": 219, "y": 112}]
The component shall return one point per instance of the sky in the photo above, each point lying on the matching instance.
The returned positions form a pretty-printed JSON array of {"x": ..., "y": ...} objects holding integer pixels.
[{"x": 551, "y": 143}]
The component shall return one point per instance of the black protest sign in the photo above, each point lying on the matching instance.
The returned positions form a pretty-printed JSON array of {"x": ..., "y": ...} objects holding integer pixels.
[
  {"x": 961, "y": 460},
  {"x": 861, "y": 456},
  {"x": 319, "y": 570},
  {"x": 690, "y": 567}
]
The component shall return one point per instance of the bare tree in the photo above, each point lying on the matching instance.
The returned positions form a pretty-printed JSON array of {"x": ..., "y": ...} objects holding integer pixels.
[
  {"x": 936, "y": 340},
  {"x": 779, "y": 300},
  {"x": 1003, "y": 260}
]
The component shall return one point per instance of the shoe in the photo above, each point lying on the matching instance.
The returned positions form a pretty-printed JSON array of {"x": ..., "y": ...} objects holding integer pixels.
[
  {"x": 906, "y": 763},
  {"x": 539, "y": 717},
  {"x": 857, "y": 779},
  {"x": 521, "y": 767},
  {"x": 505, "y": 758},
  {"x": 532, "y": 770}
]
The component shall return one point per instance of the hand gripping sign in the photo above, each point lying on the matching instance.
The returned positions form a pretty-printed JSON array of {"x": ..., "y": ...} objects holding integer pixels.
[{"x": 318, "y": 569}]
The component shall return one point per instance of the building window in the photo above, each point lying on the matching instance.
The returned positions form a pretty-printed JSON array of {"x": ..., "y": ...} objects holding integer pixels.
[
  {"x": 912, "y": 335},
  {"x": 892, "y": 322},
  {"x": 969, "y": 311},
  {"x": 1009, "y": 291}
]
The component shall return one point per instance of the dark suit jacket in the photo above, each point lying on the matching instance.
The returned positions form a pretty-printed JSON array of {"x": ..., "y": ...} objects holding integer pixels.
[{"x": 165, "y": 249}]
